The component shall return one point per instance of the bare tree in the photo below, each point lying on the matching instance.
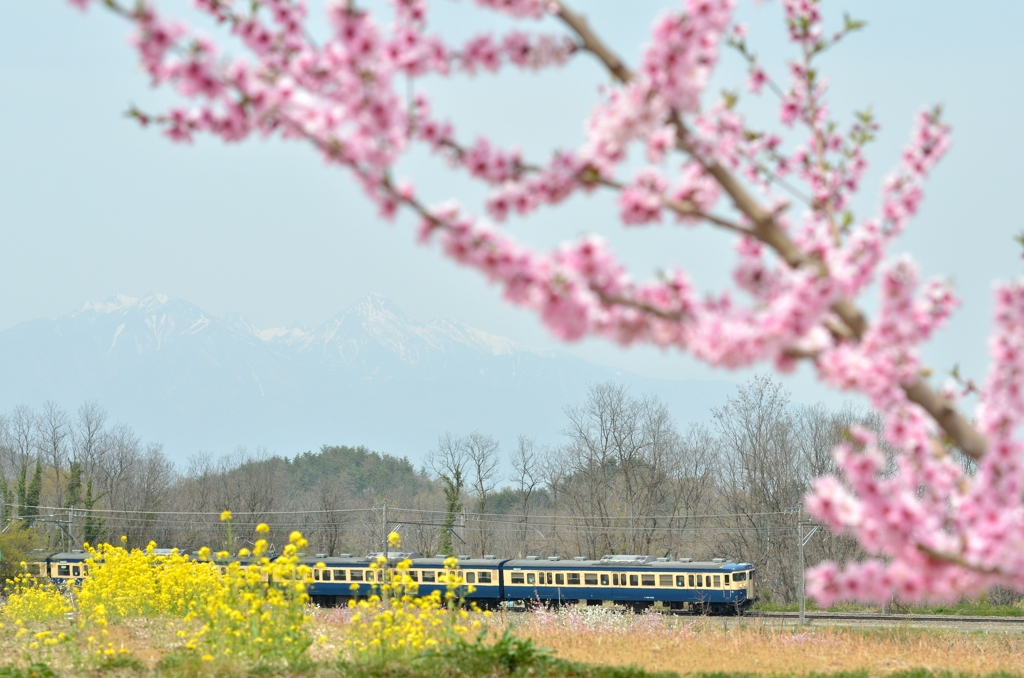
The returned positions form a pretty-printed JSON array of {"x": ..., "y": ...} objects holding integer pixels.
[
  {"x": 247, "y": 483},
  {"x": 762, "y": 482},
  {"x": 88, "y": 436},
  {"x": 53, "y": 440},
  {"x": 327, "y": 501},
  {"x": 22, "y": 445},
  {"x": 450, "y": 463},
  {"x": 622, "y": 472},
  {"x": 482, "y": 456},
  {"x": 525, "y": 478},
  {"x": 135, "y": 482}
]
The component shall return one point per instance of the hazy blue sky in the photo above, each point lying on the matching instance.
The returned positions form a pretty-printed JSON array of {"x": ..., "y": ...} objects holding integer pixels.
[{"x": 91, "y": 205}]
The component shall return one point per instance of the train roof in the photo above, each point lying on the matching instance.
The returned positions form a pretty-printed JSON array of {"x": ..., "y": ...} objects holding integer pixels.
[
  {"x": 644, "y": 562},
  {"x": 550, "y": 563},
  {"x": 70, "y": 556},
  {"x": 349, "y": 560}
]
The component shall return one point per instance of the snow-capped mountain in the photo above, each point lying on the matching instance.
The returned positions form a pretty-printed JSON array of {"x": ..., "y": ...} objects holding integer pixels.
[{"x": 370, "y": 375}]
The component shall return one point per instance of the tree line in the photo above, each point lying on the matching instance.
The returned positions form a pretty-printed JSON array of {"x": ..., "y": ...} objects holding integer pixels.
[{"x": 625, "y": 479}]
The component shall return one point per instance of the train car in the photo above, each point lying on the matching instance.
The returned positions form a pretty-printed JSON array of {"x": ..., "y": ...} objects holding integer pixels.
[
  {"x": 482, "y": 574},
  {"x": 343, "y": 577},
  {"x": 333, "y": 583},
  {"x": 39, "y": 564},
  {"x": 63, "y": 568},
  {"x": 636, "y": 582}
]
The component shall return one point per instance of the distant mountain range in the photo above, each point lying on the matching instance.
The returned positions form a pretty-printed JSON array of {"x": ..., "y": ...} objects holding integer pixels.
[{"x": 368, "y": 376}]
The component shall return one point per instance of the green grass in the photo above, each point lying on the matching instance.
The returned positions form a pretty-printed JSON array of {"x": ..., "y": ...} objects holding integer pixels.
[
  {"x": 911, "y": 673},
  {"x": 976, "y": 609}
]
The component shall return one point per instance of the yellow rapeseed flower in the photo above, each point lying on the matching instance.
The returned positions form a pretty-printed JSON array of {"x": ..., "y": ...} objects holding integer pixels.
[
  {"x": 225, "y": 516},
  {"x": 263, "y": 528}
]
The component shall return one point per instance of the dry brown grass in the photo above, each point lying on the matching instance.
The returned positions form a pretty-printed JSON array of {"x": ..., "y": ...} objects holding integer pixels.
[
  {"x": 652, "y": 641},
  {"x": 687, "y": 646}
]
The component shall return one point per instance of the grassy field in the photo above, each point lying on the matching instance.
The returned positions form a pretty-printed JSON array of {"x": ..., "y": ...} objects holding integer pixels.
[
  {"x": 981, "y": 609},
  {"x": 691, "y": 646},
  {"x": 571, "y": 643}
]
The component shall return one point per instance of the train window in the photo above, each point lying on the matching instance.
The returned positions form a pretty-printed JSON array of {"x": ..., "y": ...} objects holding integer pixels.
[
  {"x": 339, "y": 575},
  {"x": 63, "y": 570},
  {"x": 590, "y": 579},
  {"x": 615, "y": 579},
  {"x": 691, "y": 582},
  {"x": 634, "y": 580},
  {"x": 485, "y": 578},
  {"x": 664, "y": 580},
  {"x": 412, "y": 574},
  {"x": 357, "y": 575},
  {"x": 700, "y": 581},
  {"x": 75, "y": 571},
  {"x": 739, "y": 576},
  {"x": 531, "y": 578},
  {"x": 574, "y": 578},
  {"x": 517, "y": 578},
  {"x": 559, "y": 579},
  {"x": 725, "y": 578},
  {"x": 718, "y": 581},
  {"x": 647, "y": 580},
  {"x": 316, "y": 574},
  {"x": 327, "y": 575},
  {"x": 604, "y": 580},
  {"x": 680, "y": 580},
  {"x": 428, "y": 577},
  {"x": 471, "y": 577},
  {"x": 549, "y": 579}
]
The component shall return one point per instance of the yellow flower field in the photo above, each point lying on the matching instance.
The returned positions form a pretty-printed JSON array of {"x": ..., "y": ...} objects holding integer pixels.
[{"x": 219, "y": 607}]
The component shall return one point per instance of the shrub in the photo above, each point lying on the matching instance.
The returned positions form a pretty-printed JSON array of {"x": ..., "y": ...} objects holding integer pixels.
[
  {"x": 394, "y": 622},
  {"x": 33, "y": 600},
  {"x": 257, "y": 611}
]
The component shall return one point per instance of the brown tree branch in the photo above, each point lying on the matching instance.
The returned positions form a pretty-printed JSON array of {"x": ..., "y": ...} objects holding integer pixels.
[
  {"x": 591, "y": 43},
  {"x": 959, "y": 561},
  {"x": 613, "y": 300},
  {"x": 767, "y": 230}
]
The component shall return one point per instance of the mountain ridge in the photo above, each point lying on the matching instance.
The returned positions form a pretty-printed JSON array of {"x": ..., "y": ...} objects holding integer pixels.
[{"x": 369, "y": 375}]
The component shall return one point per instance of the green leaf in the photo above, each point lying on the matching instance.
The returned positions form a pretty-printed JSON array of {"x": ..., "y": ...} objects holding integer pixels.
[{"x": 850, "y": 24}]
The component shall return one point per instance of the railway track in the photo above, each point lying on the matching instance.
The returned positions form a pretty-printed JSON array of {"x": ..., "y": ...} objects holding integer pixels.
[{"x": 893, "y": 618}]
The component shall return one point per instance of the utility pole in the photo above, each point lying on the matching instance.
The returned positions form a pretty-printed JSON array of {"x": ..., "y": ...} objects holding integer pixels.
[
  {"x": 383, "y": 506},
  {"x": 802, "y": 539}
]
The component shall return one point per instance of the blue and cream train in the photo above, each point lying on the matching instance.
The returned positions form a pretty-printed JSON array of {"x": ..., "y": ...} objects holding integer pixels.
[{"x": 635, "y": 582}]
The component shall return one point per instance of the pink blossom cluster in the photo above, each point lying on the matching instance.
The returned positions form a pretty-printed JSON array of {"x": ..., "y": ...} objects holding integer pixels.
[
  {"x": 675, "y": 71},
  {"x": 521, "y": 49},
  {"x": 522, "y": 9},
  {"x": 802, "y": 257}
]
